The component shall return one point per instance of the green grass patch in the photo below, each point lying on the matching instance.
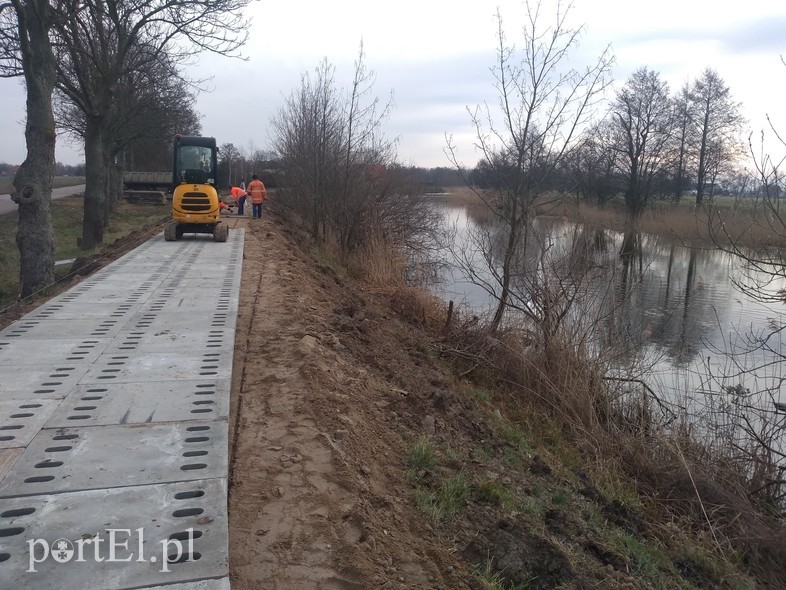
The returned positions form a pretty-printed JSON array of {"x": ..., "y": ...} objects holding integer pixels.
[
  {"x": 491, "y": 580},
  {"x": 483, "y": 454},
  {"x": 560, "y": 499},
  {"x": 494, "y": 493},
  {"x": 480, "y": 394},
  {"x": 512, "y": 459},
  {"x": 447, "y": 501},
  {"x": 422, "y": 457},
  {"x": 533, "y": 506}
]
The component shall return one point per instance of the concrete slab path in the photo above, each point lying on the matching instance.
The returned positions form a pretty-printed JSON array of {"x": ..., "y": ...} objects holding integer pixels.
[{"x": 114, "y": 401}]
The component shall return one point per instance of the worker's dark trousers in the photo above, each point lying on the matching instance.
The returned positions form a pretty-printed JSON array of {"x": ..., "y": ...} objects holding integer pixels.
[
  {"x": 256, "y": 210},
  {"x": 241, "y": 202}
]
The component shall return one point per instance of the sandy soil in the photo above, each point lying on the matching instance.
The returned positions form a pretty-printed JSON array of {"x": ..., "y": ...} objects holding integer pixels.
[{"x": 316, "y": 499}]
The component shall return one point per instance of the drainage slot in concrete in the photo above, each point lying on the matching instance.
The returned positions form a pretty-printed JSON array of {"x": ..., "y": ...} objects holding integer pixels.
[
  {"x": 39, "y": 479},
  {"x": 85, "y": 408},
  {"x": 65, "y": 436},
  {"x": 187, "y": 512},
  {"x": 193, "y": 466},
  {"x": 12, "y": 427},
  {"x": 97, "y": 390},
  {"x": 197, "y": 428},
  {"x": 24, "y": 512},
  {"x": 12, "y": 531},
  {"x": 78, "y": 417},
  {"x": 44, "y": 391},
  {"x": 184, "y": 536},
  {"x": 90, "y": 398},
  {"x": 25, "y": 406},
  {"x": 25, "y": 415},
  {"x": 7, "y": 438},
  {"x": 203, "y": 402},
  {"x": 58, "y": 449},
  {"x": 195, "y": 453},
  {"x": 184, "y": 557},
  {"x": 193, "y": 439},
  {"x": 202, "y": 411},
  {"x": 50, "y": 383},
  {"x": 47, "y": 464},
  {"x": 189, "y": 495}
]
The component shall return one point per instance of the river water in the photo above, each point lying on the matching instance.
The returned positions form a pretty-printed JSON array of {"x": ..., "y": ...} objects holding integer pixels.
[{"x": 685, "y": 329}]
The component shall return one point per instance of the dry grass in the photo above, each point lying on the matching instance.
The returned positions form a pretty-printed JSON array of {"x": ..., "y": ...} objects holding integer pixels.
[
  {"x": 380, "y": 264},
  {"x": 682, "y": 222},
  {"x": 621, "y": 439},
  {"x": 463, "y": 195}
]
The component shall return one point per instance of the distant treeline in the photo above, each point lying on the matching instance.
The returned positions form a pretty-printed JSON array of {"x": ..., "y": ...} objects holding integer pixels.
[{"x": 60, "y": 169}]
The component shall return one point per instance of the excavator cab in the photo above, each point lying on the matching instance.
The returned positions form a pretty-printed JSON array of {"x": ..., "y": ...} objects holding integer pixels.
[{"x": 195, "y": 202}]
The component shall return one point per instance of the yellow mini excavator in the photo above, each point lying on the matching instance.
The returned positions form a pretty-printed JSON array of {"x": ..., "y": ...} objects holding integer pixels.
[{"x": 195, "y": 202}]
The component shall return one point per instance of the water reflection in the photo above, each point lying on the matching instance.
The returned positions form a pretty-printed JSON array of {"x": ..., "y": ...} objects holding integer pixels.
[{"x": 667, "y": 307}]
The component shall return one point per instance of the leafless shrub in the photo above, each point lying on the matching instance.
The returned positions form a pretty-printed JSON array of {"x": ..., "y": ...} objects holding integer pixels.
[{"x": 340, "y": 173}]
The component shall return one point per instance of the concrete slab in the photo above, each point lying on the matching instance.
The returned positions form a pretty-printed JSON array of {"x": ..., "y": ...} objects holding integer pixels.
[
  {"x": 146, "y": 520},
  {"x": 139, "y": 403},
  {"x": 50, "y": 351},
  {"x": 37, "y": 382},
  {"x": 80, "y": 311},
  {"x": 157, "y": 366},
  {"x": 73, "y": 459},
  {"x": 56, "y": 328},
  {"x": 20, "y": 420},
  {"x": 110, "y": 393}
]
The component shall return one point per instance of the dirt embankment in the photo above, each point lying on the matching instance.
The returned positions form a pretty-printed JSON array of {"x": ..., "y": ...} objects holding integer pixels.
[{"x": 318, "y": 498}]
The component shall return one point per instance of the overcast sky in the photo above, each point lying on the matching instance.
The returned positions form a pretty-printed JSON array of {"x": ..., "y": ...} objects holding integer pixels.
[{"x": 435, "y": 55}]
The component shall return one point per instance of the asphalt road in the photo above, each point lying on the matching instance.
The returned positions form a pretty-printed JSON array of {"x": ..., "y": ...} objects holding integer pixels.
[{"x": 8, "y": 206}]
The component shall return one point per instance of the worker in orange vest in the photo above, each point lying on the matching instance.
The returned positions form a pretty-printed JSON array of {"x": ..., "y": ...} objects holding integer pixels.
[
  {"x": 258, "y": 195},
  {"x": 239, "y": 196}
]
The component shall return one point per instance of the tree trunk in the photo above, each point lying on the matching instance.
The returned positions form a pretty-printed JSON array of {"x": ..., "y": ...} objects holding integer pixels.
[
  {"x": 507, "y": 267},
  {"x": 95, "y": 184},
  {"x": 33, "y": 180}
]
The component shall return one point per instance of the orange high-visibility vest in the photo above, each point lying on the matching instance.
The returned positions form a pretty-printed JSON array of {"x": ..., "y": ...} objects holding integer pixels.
[
  {"x": 257, "y": 191},
  {"x": 237, "y": 193}
]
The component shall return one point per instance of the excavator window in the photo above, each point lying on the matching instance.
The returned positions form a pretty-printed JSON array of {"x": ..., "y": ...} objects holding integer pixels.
[{"x": 194, "y": 164}]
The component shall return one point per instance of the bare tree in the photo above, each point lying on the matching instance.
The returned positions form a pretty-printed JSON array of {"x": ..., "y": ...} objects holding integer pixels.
[
  {"x": 642, "y": 113},
  {"x": 308, "y": 143},
  {"x": 542, "y": 106},
  {"x": 152, "y": 103},
  {"x": 593, "y": 165},
  {"x": 103, "y": 41},
  {"x": 340, "y": 173},
  {"x": 365, "y": 154},
  {"x": 718, "y": 122},
  {"x": 25, "y": 48},
  {"x": 684, "y": 127}
]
